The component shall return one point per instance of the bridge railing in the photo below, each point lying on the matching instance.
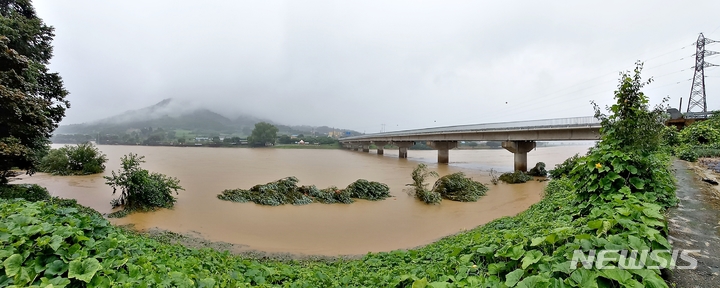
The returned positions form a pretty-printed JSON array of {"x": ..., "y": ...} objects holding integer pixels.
[{"x": 588, "y": 121}]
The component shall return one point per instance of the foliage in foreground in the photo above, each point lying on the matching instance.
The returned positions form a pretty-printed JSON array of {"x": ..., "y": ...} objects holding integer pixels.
[
  {"x": 141, "y": 190},
  {"x": 81, "y": 159},
  {"x": 564, "y": 168},
  {"x": 47, "y": 242},
  {"x": 515, "y": 177},
  {"x": 286, "y": 191},
  {"x": 29, "y": 192}
]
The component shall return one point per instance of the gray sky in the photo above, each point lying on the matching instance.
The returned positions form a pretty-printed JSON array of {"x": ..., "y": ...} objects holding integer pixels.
[{"x": 360, "y": 64}]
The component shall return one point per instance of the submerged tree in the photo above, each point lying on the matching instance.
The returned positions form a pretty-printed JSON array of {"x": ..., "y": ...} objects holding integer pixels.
[
  {"x": 32, "y": 100},
  {"x": 139, "y": 188}
]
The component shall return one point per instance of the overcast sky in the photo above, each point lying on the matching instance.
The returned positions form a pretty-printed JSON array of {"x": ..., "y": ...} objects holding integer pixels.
[{"x": 361, "y": 64}]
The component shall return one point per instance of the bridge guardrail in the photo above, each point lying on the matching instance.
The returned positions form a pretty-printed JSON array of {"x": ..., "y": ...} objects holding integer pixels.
[{"x": 588, "y": 121}]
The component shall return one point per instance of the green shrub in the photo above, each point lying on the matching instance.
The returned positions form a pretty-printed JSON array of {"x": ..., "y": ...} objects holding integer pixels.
[
  {"x": 686, "y": 152},
  {"x": 81, "y": 159},
  {"x": 538, "y": 170},
  {"x": 329, "y": 195},
  {"x": 29, "y": 192},
  {"x": 563, "y": 169},
  {"x": 700, "y": 133},
  {"x": 286, "y": 191},
  {"x": 280, "y": 192},
  {"x": 515, "y": 177},
  {"x": 670, "y": 136},
  {"x": 457, "y": 187},
  {"x": 368, "y": 190},
  {"x": 139, "y": 188},
  {"x": 420, "y": 189}
]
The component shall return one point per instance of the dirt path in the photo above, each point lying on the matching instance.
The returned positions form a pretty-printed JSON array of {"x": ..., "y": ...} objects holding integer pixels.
[{"x": 695, "y": 225}]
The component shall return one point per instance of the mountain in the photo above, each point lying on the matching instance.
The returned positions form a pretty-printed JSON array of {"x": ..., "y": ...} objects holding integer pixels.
[{"x": 170, "y": 114}]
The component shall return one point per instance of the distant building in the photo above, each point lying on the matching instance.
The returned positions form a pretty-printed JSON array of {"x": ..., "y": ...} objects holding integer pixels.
[{"x": 335, "y": 134}]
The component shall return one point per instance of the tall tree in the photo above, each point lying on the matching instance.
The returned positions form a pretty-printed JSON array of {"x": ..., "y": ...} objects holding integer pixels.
[
  {"x": 32, "y": 100},
  {"x": 263, "y": 133}
]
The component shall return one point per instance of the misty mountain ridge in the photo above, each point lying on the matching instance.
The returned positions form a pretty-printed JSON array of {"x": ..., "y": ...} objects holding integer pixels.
[{"x": 171, "y": 114}]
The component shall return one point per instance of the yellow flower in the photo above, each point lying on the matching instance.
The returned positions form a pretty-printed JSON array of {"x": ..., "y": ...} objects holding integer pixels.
[
  {"x": 474, "y": 266},
  {"x": 598, "y": 165}
]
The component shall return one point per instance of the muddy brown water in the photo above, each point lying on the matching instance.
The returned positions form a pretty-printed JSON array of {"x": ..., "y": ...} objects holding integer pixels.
[{"x": 398, "y": 222}]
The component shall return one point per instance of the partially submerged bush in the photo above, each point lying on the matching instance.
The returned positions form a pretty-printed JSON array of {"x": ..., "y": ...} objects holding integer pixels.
[
  {"x": 29, "y": 192},
  {"x": 81, "y": 159},
  {"x": 515, "y": 177},
  {"x": 563, "y": 169},
  {"x": 283, "y": 191},
  {"x": 140, "y": 189},
  {"x": 286, "y": 191},
  {"x": 419, "y": 187},
  {"x": 457, "y": 187},
  {"x": 368, "y": 190},
  {"x": 538, "y": 170},
  {"x": 329, "y": 195}
]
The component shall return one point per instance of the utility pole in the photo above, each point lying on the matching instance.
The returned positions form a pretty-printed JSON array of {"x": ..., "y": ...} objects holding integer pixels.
[{"x": 697, "y": 97}]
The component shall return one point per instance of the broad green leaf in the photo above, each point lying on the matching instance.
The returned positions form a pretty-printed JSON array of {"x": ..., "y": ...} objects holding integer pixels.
[
  {"x": 531, "y": 257},
  {"x": 637, "y": 182},
  {"x": 57, "y": 282},
  {"x": 420, "y": 283},
  {"x": 652, "y": 213},
  {"x": 12, "y": 264},
  {"x": 513, "y": 277},
  {"x": 56, "y": 267},
  {"x": 632, "y": 169},
  {"x": 537, "y": 241},
  {"x": 618, "y": 275},
  {"x": 83, "y": 270},
  {"x": 534, "y": 281},
  {"x": 439, "y": 284}
]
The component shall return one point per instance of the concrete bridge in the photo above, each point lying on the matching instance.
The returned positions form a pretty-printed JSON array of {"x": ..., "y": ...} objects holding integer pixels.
[{"x": 517, "y": 137}]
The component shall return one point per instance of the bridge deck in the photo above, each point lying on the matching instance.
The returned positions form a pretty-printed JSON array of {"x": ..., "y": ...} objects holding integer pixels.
[{"x": 577, "y": 128}]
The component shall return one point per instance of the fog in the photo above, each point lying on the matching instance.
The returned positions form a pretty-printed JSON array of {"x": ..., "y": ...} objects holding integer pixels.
[{"x": 362, "y": 64}]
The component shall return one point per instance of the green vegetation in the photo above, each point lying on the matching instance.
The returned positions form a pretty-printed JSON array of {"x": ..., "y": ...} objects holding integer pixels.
[
  {"x": 455, "y": 187},
  {"x": 420, "y": 189},
  {"x": 140, "y": 190},
  {"x": 81, "y": 159},
  {"x": 515, "y": 177},
  {"x": 700, "y": 139},
  {"x": 32, "y": 99},
  {"x": 563, "y": 169},
  {"x": 613, "y": 198},
  {"x": 29, "y": 192},
  {"x": 538, "y": 170},
  {"x": 335, "y": 145},
  {"x": 286, "y": 191},
  {"x": 263, "y": 134}
]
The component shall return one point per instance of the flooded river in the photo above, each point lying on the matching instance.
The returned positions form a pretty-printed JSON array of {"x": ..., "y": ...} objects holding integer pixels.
[{"x": 315, "y": 229}]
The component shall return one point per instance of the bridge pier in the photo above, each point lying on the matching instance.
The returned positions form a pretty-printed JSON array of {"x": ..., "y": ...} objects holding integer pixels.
[
  {"x": 355, "y": 147},
  {"x": 443, "y": 149},
  {"x": 403, "y": 148},
  {"x": 520, "y": 149},
  {"x": 365, "y": 146},
  {"x": 380, "y": 146}
]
